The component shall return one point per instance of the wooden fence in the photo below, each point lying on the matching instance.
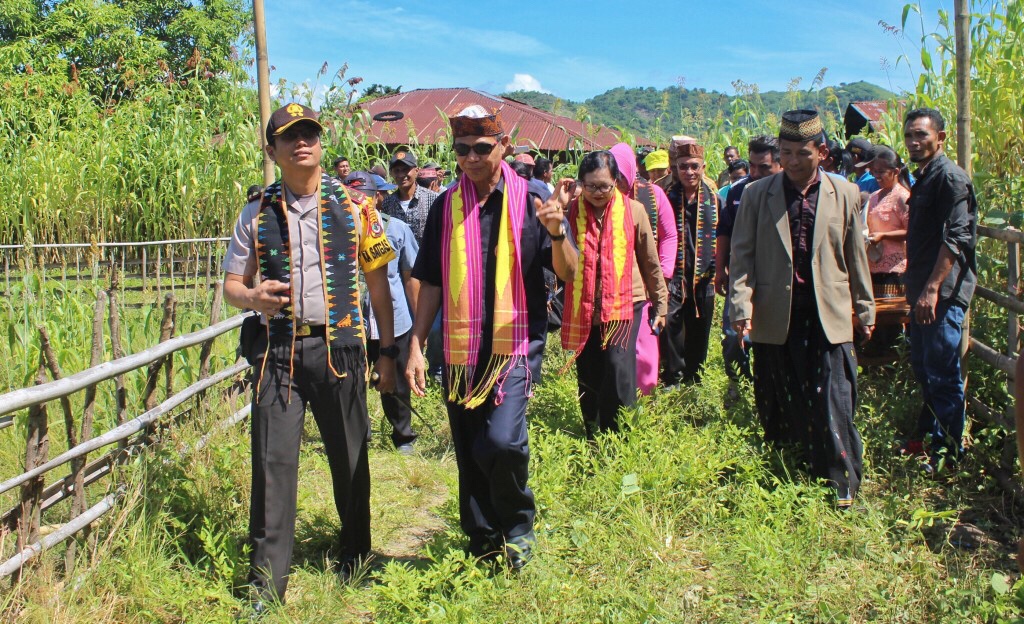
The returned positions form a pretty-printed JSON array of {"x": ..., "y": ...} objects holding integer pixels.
[
  {"x": 169, "y": 264},
  {"x": 1002, "y": 357},
  {"x": 36, "y": 497}
]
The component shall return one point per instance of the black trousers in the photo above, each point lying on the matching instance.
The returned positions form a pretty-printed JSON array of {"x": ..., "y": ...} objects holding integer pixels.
[
  {"x": 806, "y": 394},
  {"x": 607, "y": 377},
  {"x": 492, "y": 452},
  {"x": 684, "y": 341},
  {"x": 339, "y": 407},
  {"x": 396, "y": 405}
]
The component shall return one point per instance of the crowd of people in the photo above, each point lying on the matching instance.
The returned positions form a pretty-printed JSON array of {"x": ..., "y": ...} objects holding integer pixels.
[{"x": 462, "y": 280}]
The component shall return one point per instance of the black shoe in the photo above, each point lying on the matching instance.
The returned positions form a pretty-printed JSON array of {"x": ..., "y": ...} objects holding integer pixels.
[{"x": 519, "y": 551}]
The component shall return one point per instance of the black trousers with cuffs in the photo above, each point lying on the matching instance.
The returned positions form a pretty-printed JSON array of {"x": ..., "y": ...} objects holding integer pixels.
[
  {"x": 684, "y": 341},
  {"x": 339, "y": 408},
  {"x": 607, "y": 377},
  {"x": 396, "y": 405}
]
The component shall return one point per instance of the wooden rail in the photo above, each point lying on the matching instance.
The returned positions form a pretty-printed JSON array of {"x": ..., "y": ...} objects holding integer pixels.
[
  {"x": 25, "y": 397},
  {"x": 25, "y": 519}
]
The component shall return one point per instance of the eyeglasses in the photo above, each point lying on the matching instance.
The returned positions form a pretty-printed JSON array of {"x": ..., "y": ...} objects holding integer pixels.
[
  {"x": 482, "y": 148},
  {"x": 688, "y": 167},
  {"x": 598, "y": 188}
]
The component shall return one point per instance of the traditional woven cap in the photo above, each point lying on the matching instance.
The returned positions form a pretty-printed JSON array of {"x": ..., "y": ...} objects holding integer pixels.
[
  {"x": 475, "y": 121},
  {"x": 289, "y": 115},
  {"x": 658, "y": 159},
  {"x": 689, "y": 150},
  {"x": 800, "y": 125}
]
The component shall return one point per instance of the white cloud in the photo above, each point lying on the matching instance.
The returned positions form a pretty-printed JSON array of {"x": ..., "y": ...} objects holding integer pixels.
[{"x": 525, "y": 82}]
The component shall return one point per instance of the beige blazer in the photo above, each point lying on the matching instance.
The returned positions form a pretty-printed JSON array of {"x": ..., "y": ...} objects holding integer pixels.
[{"x": 761, "y": 265}]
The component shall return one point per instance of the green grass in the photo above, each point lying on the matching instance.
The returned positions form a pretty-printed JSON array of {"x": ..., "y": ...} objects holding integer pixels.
[{"x": 686, "y": 516}]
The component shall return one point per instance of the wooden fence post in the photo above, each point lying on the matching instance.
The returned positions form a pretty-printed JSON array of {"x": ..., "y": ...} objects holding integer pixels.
[
  {"x": 204, "y": 354},
  {"x": 170, "y": 250},
  {"x": 1012, "y": 279},
  {"x": 117, "y": 351},
  {"x": 159, "y": 258},
  {"x": 145, "y": 276},
  {"x": 37, "y": 449},
  {"x": 149, "y": 395}
]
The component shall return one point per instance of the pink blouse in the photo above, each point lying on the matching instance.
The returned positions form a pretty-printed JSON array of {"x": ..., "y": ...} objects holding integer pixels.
[{"x": 887, "y": 214}]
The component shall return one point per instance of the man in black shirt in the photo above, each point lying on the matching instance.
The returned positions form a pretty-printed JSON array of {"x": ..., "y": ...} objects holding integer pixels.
[
  {"x": 487, "y": 379},
  {"x": 940, "y": 278}
]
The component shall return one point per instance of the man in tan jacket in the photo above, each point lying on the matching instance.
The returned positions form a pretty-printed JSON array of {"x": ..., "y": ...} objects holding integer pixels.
[{"x": 800, "y": 286}]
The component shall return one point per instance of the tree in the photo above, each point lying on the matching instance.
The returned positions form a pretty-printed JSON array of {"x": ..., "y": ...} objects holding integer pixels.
[
  {"x": 375, "y": 91},
  {"x": 115, "y": 47}
]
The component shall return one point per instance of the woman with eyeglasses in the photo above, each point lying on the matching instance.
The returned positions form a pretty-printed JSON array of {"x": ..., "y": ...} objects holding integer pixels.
[{"x": 617, "y": 274}]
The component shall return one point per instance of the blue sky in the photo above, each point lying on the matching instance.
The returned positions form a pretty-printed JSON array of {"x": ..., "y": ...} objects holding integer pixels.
[{"x": 579, "y": 49}]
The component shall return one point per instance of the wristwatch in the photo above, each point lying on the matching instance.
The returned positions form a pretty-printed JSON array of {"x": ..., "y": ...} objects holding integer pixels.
[
  {"x": 391, "y": 351},
  {"x": 560, "y": 235}
]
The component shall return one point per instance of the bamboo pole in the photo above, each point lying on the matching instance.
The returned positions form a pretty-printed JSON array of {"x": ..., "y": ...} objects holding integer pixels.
[
  {"x": 130, "y": 428},
  {"x": 29, "y": 552},
  {"x": 27, "y": 397},
  {"x": 263, "y": 85},
  {"x": 962, "y": 30},
  {"x": 61, "y": 489}
]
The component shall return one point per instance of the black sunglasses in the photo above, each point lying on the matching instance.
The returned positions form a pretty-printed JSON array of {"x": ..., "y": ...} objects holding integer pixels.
[{"x": 482, "y": 148}]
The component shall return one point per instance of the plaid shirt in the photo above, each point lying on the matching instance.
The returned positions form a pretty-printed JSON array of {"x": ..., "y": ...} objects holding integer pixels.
[{"x": 416, "y": 215}]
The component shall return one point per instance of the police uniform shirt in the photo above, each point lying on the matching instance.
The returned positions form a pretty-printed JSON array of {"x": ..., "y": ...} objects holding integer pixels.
[{"x": 307, "y": 274}]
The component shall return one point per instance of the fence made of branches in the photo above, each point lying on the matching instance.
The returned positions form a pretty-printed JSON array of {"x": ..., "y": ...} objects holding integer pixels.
[{"x": 130, "y": 435}]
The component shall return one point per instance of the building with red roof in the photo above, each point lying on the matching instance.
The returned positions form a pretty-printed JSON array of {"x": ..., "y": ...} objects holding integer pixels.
[{"x": 421, "y": 117}]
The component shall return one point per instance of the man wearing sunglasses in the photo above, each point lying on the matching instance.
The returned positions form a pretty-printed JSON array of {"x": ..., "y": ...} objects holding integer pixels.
[
  {"x": 684, "y": 343},
  {"x": 485, "y": 246}
]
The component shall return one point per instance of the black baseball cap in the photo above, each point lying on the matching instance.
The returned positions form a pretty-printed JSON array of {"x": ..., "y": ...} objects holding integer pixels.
[
  {"x": 860, "y": 147},
  {"x": 289, "y": 115},
  {"x": 404, "y": 156},
  {"x": 361, "y": 181}
]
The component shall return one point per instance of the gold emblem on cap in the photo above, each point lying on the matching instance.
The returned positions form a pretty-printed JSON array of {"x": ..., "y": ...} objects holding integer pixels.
[
  {"x": 399, "y": 155},
  {"x": 295, "y": 110}
]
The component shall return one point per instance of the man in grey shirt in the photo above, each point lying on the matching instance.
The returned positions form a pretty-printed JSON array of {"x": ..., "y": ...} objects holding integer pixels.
[{"x": 306, "y": 240}]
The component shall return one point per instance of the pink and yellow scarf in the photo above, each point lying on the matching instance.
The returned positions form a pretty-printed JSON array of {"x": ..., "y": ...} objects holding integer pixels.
[
  {"x": 463, "y": 292},
  {"x": 613, "y": 247}
]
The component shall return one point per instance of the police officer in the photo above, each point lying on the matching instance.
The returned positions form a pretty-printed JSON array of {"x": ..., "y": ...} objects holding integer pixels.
[{"x": 306, "y": 239}]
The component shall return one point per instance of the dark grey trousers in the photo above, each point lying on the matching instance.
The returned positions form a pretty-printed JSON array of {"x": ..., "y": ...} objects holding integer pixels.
[{"x": 339, "y": 407}]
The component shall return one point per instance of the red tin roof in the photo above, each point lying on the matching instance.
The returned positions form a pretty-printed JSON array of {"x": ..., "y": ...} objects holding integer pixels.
[{"x": 424, "y": 124}]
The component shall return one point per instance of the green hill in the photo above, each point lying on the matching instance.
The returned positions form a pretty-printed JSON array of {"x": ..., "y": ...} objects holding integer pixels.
[{"x": 656, "y": 113}]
